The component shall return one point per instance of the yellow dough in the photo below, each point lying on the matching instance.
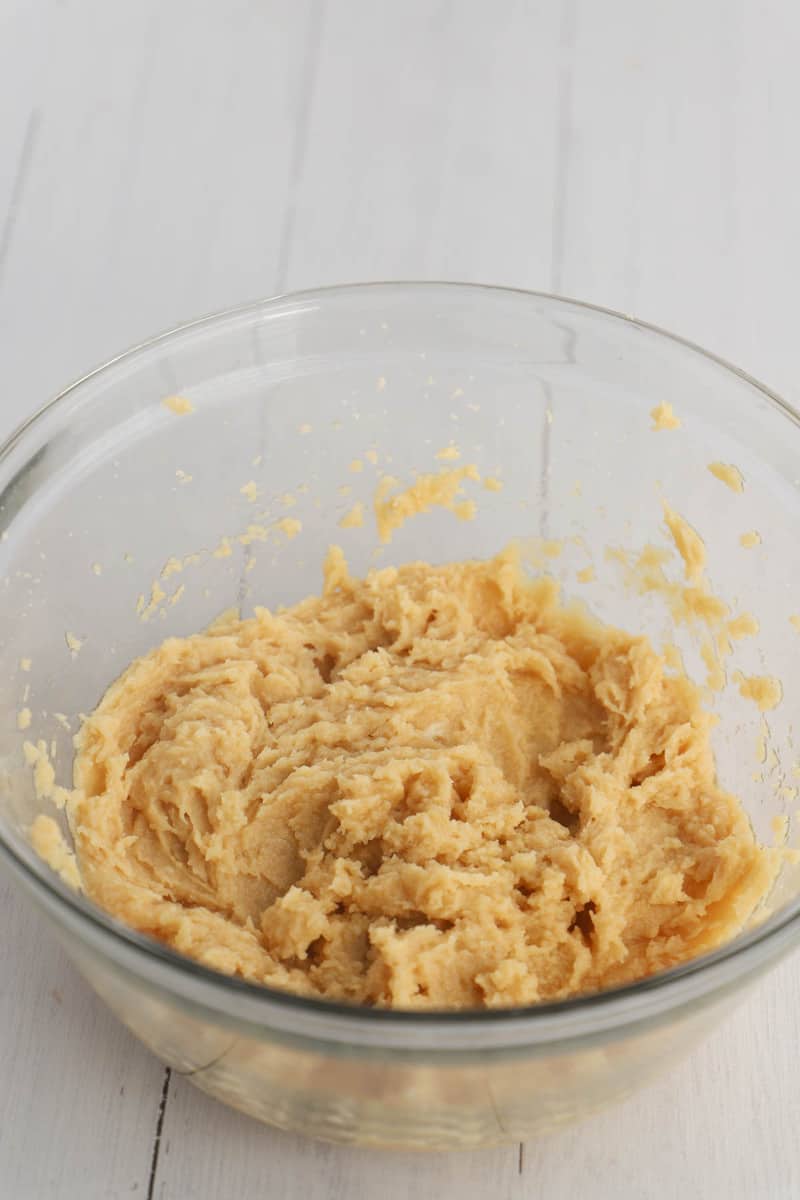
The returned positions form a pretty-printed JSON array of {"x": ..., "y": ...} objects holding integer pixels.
[
  {"x": 664, "y": 417},
  {"x": 433, "y": 787}
]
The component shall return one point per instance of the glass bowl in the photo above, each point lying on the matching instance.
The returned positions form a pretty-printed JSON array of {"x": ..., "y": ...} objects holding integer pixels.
[{"x": 553, "y": 398}]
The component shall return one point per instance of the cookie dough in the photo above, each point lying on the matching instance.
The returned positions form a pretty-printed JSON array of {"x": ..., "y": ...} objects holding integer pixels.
[
  {"x": 433, "y": 787},
  {"x": 664, "y": 417},
  {"x": 441, "y": 490},
  {"x": 728, "y": 474}
]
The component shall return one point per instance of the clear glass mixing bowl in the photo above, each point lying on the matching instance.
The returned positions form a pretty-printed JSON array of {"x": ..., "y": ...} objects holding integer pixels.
[{"x": 107, "y": 483}]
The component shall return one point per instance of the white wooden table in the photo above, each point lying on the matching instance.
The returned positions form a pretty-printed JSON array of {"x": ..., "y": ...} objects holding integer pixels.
[{"x": 160, "y": 160}]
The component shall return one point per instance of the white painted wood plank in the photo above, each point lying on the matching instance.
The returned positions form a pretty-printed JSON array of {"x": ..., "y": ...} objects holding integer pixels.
[
  {"x": 714, "y": 1126},
  {"x": 146, "y": 159},
  {"x": 158, "y": 182},
  {"x": 21, "y": 31},
  {"x": 681, "y": 173},
  {"x": 443, "y": 178},
  {"x": 395, "y": 182},
  {"x": 260, "y": 1161},
  {"x": 723, "y": 1123},
  {"x": 78, "y": 1095},
  {"x": 431, "y": 147}
]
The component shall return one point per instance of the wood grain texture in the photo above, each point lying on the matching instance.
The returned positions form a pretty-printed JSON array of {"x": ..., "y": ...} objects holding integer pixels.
[
  {"x": 431, "y": 145},
  {"x": 712, "y": 1127},
  {"x": 283, "y": 1165},
  {"x": 78, "y": 1096},
  {"x": 162, "y": 160},
  {"x": 681, "y": 172},
  {"x": 158, "y": 184},
  {"x": 145, "y": 170}
]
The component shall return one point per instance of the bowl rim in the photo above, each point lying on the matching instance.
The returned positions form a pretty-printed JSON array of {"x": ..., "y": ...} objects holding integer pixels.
[{"x": 668, "y": 983}]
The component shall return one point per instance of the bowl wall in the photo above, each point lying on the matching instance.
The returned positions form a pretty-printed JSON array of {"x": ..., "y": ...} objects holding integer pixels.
[{"x": 313, "y": 399}]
